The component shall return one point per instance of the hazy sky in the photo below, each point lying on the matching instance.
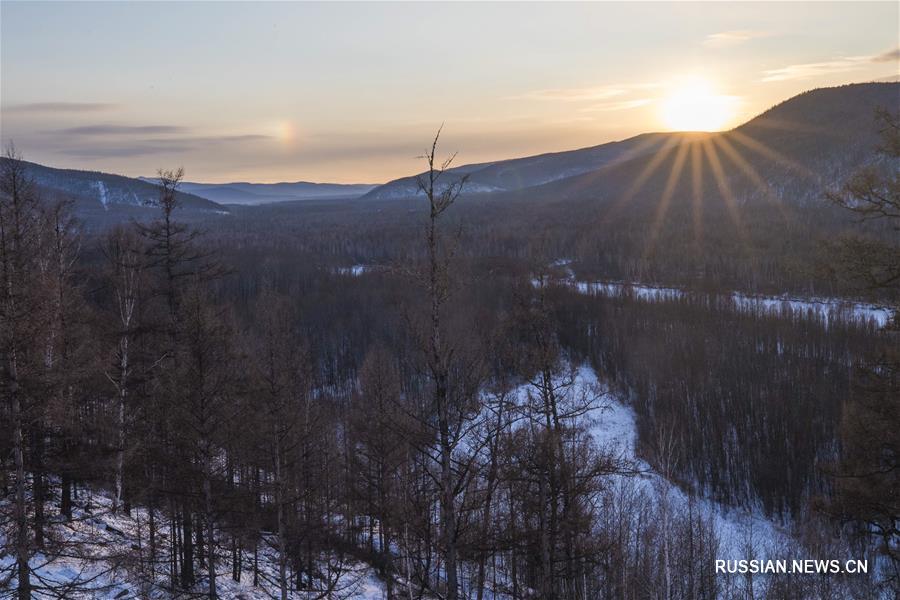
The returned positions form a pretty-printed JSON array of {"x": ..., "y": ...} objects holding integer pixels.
[{"x": 352, "y": 92}]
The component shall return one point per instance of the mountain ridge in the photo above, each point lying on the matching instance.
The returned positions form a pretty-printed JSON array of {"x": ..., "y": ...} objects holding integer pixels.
[
  {"x": 92, "y": 190},
  {"x": 842, "y": 116}
]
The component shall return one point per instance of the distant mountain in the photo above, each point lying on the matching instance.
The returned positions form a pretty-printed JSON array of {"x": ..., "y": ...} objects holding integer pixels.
[
  {"x": 520, "y": 173},
  {"x": 788, "y": 154},
  {"x": 263, "y": 193},
  {"x": 816, "y": 138},
  {"x": 93, "y": 190}
]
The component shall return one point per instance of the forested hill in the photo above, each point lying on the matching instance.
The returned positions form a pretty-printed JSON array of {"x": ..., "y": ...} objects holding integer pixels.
[
  {"x": 95, "y": 191},
  {"x": 817, "y": 135},
  {"x": 788, "y": 154},
  {"x": 520, "y": 173}
]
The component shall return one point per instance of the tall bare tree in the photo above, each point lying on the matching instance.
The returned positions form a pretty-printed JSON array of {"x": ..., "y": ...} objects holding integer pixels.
[
  {"x": 123, "y": 254},
  {"x": 19, "y": 247},
  {"x": 441, "y": 191}
]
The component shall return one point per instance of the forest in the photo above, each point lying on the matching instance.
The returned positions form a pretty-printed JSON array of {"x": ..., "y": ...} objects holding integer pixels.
[{"x": 297, "y": 397}]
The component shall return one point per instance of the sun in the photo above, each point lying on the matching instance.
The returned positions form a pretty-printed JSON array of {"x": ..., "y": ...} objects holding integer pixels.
[{"x": 696, "y": 106}]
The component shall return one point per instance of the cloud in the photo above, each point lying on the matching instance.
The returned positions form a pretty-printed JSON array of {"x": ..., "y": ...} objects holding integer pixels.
[
  {"x": 725, "y": 39},
  {"x": 623, "y": 105},
  {"x": 170, "y": 134},
  {"x": 584, "y": 94},
  {"x": 89, "y": 142},
  {"x": 69, "y": 107},
  {"x": 249, "y": 137},
  {"x": 573, "y": 94},
  {"x": 122, "y": 130},
  {"x": 142, "y": 148},
  {"x": 837, "y": 65},
  {"x": 888, "y": 56}
]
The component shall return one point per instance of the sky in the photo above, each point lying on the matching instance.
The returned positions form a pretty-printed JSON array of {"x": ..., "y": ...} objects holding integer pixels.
[{"x": 353, "y": 92}]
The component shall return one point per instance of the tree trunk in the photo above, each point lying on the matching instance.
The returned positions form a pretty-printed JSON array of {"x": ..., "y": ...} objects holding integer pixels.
[
  {"x": 187, "y": 545},
  {"x": 488, "y": 500},
  {"x": 65, "y": 503},
  {"x": 448, "y": 501},
  {"x": 120, "y": 425},
  {"x": 210, "y": 534},
  {"x": 38, "y": 487},
  {"x": 22, "y": 549},
  {"x": 279, "y": 500}
]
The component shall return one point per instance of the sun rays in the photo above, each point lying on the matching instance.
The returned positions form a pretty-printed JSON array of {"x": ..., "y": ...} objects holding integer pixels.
[
  {"x": 663, "y": 207},
  {"x": 705, "y": 171}
]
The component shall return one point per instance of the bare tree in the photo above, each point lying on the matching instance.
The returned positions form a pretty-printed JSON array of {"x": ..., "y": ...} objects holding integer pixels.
[
  {"x": 123, "y": 255},
  {"x": 19, "y": 230},
  {"x": 441, "y": 192}
]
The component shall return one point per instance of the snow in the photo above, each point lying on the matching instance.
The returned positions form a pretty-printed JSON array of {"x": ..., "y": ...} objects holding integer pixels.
[
  {"x": 613, "y": 427},
  {"x": 612, "y": 424},
  {"x": 821, "y": 308},
  {"x": 104, "y": 195},
  {"x": 354, "y": 270},
  {"x": 112, "y": 541}
]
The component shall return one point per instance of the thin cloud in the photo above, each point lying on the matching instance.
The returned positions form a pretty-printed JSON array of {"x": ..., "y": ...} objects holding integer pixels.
[
  {"x": 725, "y": 39},
  {"x": 249, "y": 137},
  {"x": 572, "y": 94},
  {"x": 828, "y": 67},
  {"x": 138, "y": 149},
  {"x": 584, "y": 94},
  {"x": 122, "y": 130},
  {"x": 90, "y": 146},
  {"x": 623, "y": 105},
  {"x": 66, "y": 107},
  {"x": 889, "y": 56}
]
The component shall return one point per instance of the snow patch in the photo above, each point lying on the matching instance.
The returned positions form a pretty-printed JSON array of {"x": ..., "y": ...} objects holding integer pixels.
[
  {"x": 104, "y": 194},
  {"x": 821, "y": 308}
]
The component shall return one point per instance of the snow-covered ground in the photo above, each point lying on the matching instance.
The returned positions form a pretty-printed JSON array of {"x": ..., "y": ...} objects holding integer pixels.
[
  {"x": 114, "y": 540},
  {"x": 354, "y": 270},
  {"x": 104, "y": 196},
  {"x": 614, "y": 428},
  {"x": 821, "y": 308},
  {"x": 112, "y": 561}
]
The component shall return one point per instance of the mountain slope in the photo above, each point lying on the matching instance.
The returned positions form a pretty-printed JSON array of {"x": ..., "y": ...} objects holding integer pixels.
[
  {"x": 817, "y": 138},
  {"x": 92, "y": 190},
  {"x": 787, "y": 155},
  {"x": 520, "y": 173}
]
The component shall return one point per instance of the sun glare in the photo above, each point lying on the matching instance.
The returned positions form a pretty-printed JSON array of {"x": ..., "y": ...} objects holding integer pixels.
[{"x": 695, "y": 106}]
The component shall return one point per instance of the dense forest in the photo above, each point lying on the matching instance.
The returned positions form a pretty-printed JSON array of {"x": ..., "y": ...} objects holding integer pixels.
[{"x": 401, "y": 384}]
